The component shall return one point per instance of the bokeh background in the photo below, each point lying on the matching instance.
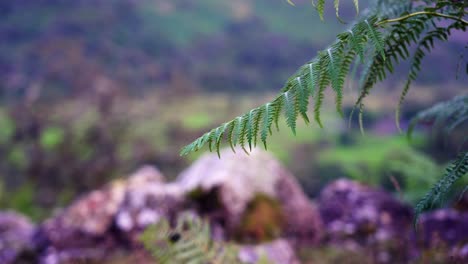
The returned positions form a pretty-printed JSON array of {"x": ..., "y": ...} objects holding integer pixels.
[{"x": 90, "y": 90}]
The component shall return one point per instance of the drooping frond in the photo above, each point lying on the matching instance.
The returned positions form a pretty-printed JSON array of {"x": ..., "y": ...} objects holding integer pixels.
[
  {"x": 395, "y": 46},
  {"x": 425, "y": 46},
  {"x": 457, "y": 169},
  {"x": 188, "y": 242},
  {"x": 443, "y": 117},
  {"x": 330, "y": 67}
]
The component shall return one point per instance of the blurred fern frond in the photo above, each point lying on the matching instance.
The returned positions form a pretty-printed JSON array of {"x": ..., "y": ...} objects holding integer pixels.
[
  {"x": 457, "y": 169},
  {"x": 443, "y": 117},
  {"x": 189, "y": 242}
]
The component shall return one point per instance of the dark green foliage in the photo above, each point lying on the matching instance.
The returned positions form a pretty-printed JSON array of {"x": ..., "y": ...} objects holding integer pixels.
[
  {"x": 380, "y": 43},
  {"x": 457, "y": 169},
  {"x": 444, "y": 117},
  {"x": 189, "y": 242}
]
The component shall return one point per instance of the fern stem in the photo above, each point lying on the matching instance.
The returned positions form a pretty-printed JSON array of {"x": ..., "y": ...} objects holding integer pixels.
[{"x": 386, "y": 21}]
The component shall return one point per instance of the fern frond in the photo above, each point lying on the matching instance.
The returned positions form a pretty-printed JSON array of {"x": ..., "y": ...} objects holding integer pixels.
[
  {"x": 376, "y": 38},
  {"x": 252, "y": 126},
  {"x": 336, "y": 4},
  {"x": 266, "y": 122},
  {"x": 444, "y": 116},
  {"x": 290, "y": 110},
  {"x": 323, "y": 81},
  {"x": 457, "y": 169},
  {"x": 425, "y": 45},
  {"x": 396, "y": 42},
  {"x": 320, "y": 8},
  {"x": 380, "y": 43},
  {"x": 335, "y": 55},
  {"x": 312, "y": 79},
  {"x": 302, "y": 99},
  {"x": 230, "y": 134},
  {"x": 189, "y": 242}
]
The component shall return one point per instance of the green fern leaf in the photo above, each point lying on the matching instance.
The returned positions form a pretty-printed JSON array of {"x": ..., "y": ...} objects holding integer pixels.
[
  {"x": 278, "y": 107},
  {"x": 267, "y": 122},
  {"x": 376, "y": 38},
  {"x": 290, "y": 110},
  {"x": 438, "y": 33},
  {"x": 334, "y": 71},
  {"x": 238, "y": 128},
  {"x": 356, "y": 5},
  {"x": 336, "y": 3},
  {"x": 189, "y": 242},
  {"x": 302, "y": 99},
  {"x": 242, "y": 132},
  {"x": 457, "y": 169},
  {"x": 218, "y": 135},
  {"x": 252, "y": 126},
  {"x": 444, "y": 116},
  {"x": 320, "y": 8}
]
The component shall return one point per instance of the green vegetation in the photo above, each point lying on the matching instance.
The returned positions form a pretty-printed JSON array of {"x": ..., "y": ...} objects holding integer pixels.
[
  {"x": 188, "y": 242},
  {"x": 377, "y": 42}
]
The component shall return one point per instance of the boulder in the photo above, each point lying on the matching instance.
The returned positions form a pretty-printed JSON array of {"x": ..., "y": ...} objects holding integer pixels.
[
  {"x": 227, "y": 190},
  {"x": 16, "y": 233},
  {"x": 446, "y": 229},
  {"x": 358, "y": 216},
  {"x": 85, "y": 229}
]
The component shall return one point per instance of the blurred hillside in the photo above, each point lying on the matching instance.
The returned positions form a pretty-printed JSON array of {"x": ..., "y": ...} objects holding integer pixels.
[{"x": 56, "y": 47}]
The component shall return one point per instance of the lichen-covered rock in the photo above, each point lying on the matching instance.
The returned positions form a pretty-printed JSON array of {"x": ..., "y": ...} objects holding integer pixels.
[
  {"x": 86, "y": 219},
  {"x": 357, "y": 216},
  {"x": 275, "y": 252},
  {"x": 224, "y": 188},
  {"x": 444, "y": 228},
  {"x": 16, "y": 232},
  {"x": 85, "y": 228}
]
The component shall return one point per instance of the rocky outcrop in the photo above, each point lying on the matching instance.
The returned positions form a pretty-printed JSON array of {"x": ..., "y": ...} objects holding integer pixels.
[
  {"x": 226, "y": 188},
  {"x": 251, "y": 199},
  {"x": 444, "y": 229},
  {"x": 16, "y": 233},
  {"x": 357, "y": 216}
]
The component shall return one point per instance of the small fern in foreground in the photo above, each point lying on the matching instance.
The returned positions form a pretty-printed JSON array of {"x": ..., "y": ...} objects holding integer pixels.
[{"x": 189, "y": 242}]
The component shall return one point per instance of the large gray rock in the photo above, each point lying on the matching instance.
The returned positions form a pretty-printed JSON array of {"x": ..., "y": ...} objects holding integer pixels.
[
  {"x": 225, "y": 189},
  {"x": 16, "y": 233}
]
